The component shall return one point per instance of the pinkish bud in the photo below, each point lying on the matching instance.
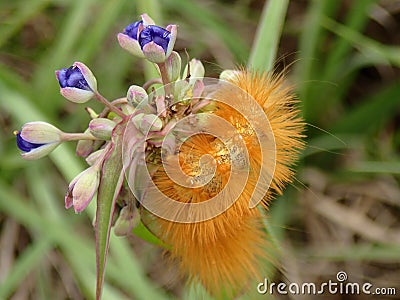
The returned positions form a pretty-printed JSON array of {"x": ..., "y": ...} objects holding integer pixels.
[
  {"x": 136, "y": 95},
  {"x": 83, "y": 188},
  {"x": 173, "y": 65},
  {"x": 101, "y": 128},
  {"x": 194, "y": 70},
  {"x": 147, "y": 122},
  {"x": 127, "y": 220}
]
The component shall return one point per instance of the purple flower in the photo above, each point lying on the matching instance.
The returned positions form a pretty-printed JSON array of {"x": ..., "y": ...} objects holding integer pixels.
[
  {"x": 128, "y": 39},
  {"x": 72, "y": 77},
  {"x": 157, "y": 42},
  {"x": 132, "y": 30},
  {"x": 156, "y": 34},
  {"x": 24, "y": 145},
  {"x": 77, "y": 83},
  {"x": 144, "y": 39}
]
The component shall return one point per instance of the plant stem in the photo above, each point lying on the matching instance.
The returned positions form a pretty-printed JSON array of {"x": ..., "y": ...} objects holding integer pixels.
[
  {"x": 111, "y": 107},
  {"x": 150, "y": 82},
  {"x": 165, "y": 79},
  {"x": 66, "y": 137}
]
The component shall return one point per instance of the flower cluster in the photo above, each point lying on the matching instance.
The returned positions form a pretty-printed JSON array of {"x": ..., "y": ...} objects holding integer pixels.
[{"x": 78, "y": 84}]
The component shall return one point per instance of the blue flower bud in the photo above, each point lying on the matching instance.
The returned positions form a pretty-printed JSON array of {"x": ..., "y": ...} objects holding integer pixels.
[
  {"x": 128, "y": 39},
  {"x": 157, "y": 42},
  {"x": 156, "y": 34},
  {"x": 77, "y": 83},
  {"x": 144, "y": 39},
  {"x": 24, "y": 145},
  {"x": 31, "y": 150}
]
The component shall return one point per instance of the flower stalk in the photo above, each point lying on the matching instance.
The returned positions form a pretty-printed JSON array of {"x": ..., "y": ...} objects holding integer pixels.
[{"x": 109, "y": 105}]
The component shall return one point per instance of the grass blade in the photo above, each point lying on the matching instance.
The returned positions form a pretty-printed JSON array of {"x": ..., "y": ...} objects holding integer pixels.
[
  {"x": 265, "y": 47},
  {"x": 382, "y": 106}
]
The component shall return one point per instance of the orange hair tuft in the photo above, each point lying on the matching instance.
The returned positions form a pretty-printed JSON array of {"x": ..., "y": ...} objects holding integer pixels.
[{"x": 224, "y": 253}]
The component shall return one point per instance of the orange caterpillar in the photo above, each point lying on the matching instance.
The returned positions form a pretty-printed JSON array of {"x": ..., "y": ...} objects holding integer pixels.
[{"x": 224, "y": 253}]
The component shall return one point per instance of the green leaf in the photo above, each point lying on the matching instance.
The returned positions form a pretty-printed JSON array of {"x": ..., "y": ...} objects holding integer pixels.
[
  {"x": 146, "y": 235},
  {"x": 383, "y": 167},
  {"x": 375, "y": 110},
  {"x": 110, "y": 184},
  {"x": 267, "y": 38}
]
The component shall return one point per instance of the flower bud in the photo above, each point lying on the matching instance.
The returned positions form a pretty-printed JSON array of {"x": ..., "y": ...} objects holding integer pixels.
[
  {"x": 127, "y": 220},
  {"x": 151, "y": 122},
  {"x": 173, "y": 65},
  {"x": 147, "y": 122},
  {"x": 157, "y": 42},
  {"x": 94, "y": 157},
  {"x": 101, "y": 128},
  {"x": 37, "y": 139},
  {"x": 127, "y": 109},
  {"x": 91, "y": 112},
  {"x": 41, "y": 133},
  {"x": 194, "y": 70},
  {"x": 85, "y": 147},
  {"x": 77, "y": 83},
  {"x": 83, "y": 188},
  {"x": 128, "y": 40},
  {"x": 136, "y": 95}
]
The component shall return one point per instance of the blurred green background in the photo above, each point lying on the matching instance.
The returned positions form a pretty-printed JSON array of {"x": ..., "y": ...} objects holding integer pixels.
[{"x": 341, "y": 213}]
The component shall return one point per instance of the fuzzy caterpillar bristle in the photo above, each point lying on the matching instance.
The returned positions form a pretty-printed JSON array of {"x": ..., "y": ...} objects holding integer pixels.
[{"x": 225, "y": 253}]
